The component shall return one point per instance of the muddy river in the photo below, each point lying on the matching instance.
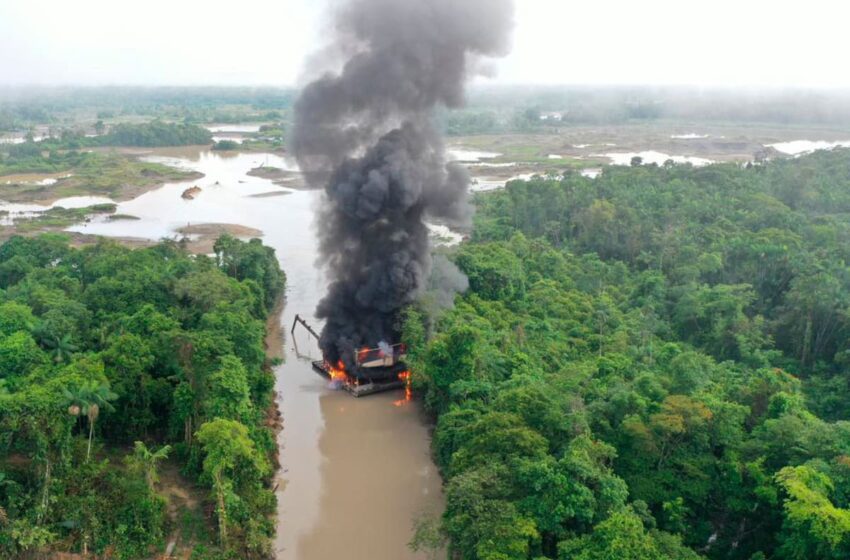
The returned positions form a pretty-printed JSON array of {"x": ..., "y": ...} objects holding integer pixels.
[{"x": 355, "y": 473}]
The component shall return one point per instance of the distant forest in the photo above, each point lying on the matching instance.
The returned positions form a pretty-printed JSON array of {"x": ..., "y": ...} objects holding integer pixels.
[
  {"x": 526, "y": 108},
  {"x": 21, "y": 108},
  {"x": 495, "y": 109}
]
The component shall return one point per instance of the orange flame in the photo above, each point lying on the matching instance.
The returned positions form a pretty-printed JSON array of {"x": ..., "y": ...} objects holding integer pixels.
[
  {"x": 408, "y": 392},
  {"x": 337, "y": 372}
]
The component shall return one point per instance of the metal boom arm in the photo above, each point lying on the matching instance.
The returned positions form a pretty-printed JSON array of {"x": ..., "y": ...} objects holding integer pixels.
[{"x": 297, "y": 320}]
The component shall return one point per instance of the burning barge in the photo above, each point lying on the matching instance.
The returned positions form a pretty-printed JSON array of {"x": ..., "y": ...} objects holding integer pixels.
[{"x": 376, "y": 369}]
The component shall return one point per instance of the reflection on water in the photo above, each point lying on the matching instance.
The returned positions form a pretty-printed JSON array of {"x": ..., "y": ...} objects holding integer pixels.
[
  {"x": 231, "y": 137},
  {"x": 583, "y": 146},
  {"x": 354, "y": 472},
  {"x": 464, "y": 155},
  {"x": 483, "y": 184},
  {"x": 19, "y": 138},
  {"x": 234, "y": 128},
  {"x": 490, "y": 164},
  {"x": 688, "y": 136},
  {"x": 651, "y": 156},
  {"x": 225, "y": 197},
  {"x": 798, "y": 147},
  {"x": 11, "y": 211},
  {"x": 69, "y": 202},
  {"x": 367, "y": 501}
]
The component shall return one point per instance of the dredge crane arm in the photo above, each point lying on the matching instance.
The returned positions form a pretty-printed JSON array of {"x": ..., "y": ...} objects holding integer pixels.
[{"x": 297, "y": 320}]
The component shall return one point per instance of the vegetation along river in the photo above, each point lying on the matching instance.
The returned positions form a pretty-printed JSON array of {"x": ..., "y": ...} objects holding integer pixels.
[{"x": 355, "y": 474}]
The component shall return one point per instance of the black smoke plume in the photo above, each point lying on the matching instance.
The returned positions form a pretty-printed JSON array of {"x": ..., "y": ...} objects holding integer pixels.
[{"x": 365, "y": 133}]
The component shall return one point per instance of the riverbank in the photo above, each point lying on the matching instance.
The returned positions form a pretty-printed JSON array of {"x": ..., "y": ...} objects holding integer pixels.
[
  {"x": 201, "y": 238},
  {"x": 281, "y": 177},
  {"x": 197, "y": 244},
  {"x": 274, "y": 355},
  {"x": 113, "y": 174}
]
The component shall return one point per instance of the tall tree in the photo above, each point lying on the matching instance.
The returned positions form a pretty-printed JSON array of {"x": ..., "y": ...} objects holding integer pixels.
[
  {"x": 229, "y": 451},
  {"x": 88, "y": 399}
]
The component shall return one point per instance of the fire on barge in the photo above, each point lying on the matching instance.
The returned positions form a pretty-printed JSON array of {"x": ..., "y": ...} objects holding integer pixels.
[{"x": 376, "y": 369}]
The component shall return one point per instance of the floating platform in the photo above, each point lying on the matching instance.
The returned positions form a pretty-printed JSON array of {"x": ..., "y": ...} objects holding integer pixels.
[{"x": 364, "y": 387}]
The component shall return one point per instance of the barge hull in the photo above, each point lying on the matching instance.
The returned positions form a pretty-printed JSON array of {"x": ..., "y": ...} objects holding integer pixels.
[{"x": 361, "y": 389}]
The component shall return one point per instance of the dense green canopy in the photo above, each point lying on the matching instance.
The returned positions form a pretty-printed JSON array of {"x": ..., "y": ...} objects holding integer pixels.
[
  {"x": 649, "y": 364},
  {"x": 105, "y": 348}
]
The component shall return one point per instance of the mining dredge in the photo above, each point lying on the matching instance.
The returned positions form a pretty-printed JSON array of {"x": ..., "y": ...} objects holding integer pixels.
[{"x": 376, "y": 369}]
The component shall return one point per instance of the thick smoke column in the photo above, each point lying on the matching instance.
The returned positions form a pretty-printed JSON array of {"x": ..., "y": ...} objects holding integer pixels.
[{"x": 366, "y": 135}]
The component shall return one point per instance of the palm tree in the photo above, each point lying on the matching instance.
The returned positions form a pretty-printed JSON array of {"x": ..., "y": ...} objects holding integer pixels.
[
  {"x": 88, "y": 399},
  {"x": 146, "y": 460},
  {"x": 60, "y": 347}
]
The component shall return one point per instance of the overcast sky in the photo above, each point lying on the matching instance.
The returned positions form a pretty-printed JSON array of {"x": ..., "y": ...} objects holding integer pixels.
[{"x": 193, "y": 42}]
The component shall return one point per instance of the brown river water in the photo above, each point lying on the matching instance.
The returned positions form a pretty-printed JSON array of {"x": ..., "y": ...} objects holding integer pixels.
[{"x": 355, "y": 473}]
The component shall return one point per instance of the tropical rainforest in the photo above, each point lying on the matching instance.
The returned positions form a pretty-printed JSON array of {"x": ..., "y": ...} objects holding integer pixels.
[
  {"x": 651, "y": 364},
  {"x": 115, "y": 362},
  {"x": 648, "y": 365}
]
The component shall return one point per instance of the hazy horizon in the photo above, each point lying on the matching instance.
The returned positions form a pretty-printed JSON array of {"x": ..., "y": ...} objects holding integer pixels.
[{"x": 723, "y": 44}]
